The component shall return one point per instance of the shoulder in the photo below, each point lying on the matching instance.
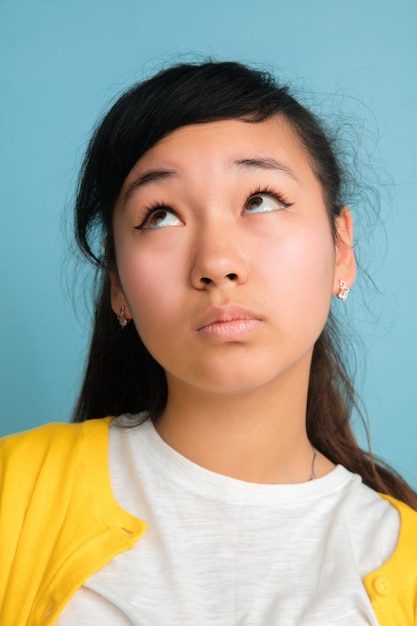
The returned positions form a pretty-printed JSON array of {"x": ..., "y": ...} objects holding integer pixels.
[
  {"x": 393, "y": 587},
  {"x": 408, "y": 528},
  {"x": 52, "y": 444},
  {"x": 57, "y": 463},
  {"x": 55, "y": 432},
  {"x": 407, "y": 541}
]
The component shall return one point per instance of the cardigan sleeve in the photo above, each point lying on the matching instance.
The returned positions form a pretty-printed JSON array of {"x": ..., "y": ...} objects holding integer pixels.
[
  {"x": 393, "y": 588},
  {"x": 32, "y": 472},
  {"x": 59, "y": 522}
]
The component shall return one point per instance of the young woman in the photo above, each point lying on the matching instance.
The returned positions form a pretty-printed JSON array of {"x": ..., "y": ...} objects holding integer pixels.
[{"x": 230, "y": 490}]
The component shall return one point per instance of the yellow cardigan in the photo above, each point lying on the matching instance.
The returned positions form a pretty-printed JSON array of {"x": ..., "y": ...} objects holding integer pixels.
[{"x": 60, "y": 523}]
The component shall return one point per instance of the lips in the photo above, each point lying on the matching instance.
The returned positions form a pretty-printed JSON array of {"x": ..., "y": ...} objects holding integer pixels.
[{"x": 227, "y": 323}]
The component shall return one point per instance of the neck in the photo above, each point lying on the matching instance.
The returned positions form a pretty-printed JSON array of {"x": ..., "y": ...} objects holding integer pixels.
[{"x": 259, "y": 436}]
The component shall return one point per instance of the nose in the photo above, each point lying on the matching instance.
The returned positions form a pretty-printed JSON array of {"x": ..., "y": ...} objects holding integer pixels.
[{"x": 219, "y": 259}]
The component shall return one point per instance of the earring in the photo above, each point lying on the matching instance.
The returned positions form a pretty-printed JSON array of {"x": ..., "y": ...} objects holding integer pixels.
[
  {"x": 122, "y": 318},
  {"x": 344, "y": 291}
]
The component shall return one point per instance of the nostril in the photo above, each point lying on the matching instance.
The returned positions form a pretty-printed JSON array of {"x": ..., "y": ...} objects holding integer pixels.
[{"x": 208, "y": 281}]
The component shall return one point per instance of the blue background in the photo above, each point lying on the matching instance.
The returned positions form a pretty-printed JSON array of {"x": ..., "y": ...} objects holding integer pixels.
[{"x": 62, "y": 63}]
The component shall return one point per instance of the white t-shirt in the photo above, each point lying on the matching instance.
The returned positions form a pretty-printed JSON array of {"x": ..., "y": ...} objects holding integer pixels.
[{"x": 219, "y": 551}]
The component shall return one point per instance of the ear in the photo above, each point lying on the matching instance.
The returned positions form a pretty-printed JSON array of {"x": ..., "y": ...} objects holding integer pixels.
[
  {"x": 345, "y": 264},
  {"x": 117, "y": 296}
]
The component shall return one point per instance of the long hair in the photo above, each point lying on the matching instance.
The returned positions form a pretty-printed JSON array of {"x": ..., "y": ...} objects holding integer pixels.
[{"x": 121, "y": 376}]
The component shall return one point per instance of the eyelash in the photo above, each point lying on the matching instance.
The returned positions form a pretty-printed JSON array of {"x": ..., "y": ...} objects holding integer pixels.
[
  {"x": 155, "y": 206},
  {"x": 265, "y": 191}
]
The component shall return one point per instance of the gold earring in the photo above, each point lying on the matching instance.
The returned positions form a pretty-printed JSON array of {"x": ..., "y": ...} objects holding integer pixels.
[
  {"x": 344, "y": 291},
  {"x": 122, "y": 318}
]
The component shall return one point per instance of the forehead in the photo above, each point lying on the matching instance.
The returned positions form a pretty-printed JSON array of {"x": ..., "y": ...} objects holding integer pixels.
[{"x": 214, "y": 146}]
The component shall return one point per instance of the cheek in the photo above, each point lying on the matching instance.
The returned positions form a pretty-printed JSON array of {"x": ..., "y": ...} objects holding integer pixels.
[
  {"x": 301, "y": 271},
  {"x": 150, "y": 285},
  {"x": 306, "y": 258}
]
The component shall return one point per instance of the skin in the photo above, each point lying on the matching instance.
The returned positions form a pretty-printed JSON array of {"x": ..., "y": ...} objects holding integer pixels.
[{"x": 230, "y": 288}]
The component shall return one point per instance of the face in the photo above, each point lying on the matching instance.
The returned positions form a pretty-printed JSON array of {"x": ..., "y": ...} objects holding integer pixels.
[{"x": 225, "y": 257}]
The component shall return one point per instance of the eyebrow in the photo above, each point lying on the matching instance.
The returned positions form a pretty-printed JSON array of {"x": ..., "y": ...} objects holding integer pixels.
[
  {"x": 266, "y": 164},
  {"x": 151, "y": 176}
]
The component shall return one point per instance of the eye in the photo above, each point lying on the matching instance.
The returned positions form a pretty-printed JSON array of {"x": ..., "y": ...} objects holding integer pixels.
[
  {"x": 159, "y": 217},
  {"x": 264, "y": 202}
]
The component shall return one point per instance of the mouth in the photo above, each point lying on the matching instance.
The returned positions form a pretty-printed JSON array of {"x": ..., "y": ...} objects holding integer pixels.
[{"x": 228, "y": 323}]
